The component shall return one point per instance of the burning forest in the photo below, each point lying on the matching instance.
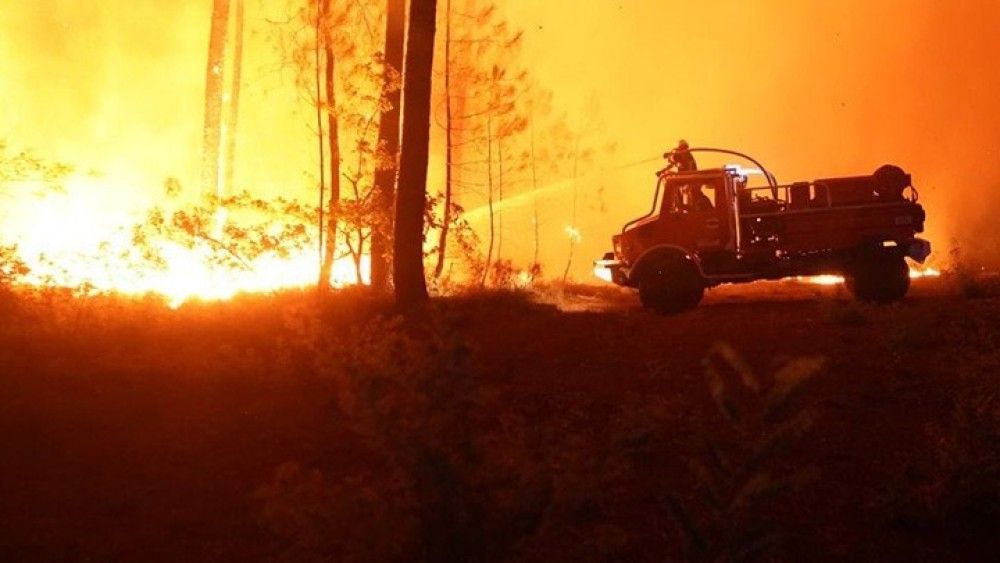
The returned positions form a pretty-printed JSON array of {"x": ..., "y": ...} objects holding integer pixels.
[{"x": 499, "y": 280}]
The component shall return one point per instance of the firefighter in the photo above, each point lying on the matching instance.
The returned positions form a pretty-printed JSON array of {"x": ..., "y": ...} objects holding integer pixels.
[
  {"x": 681, "y": 158},
  {"x": 697, "y": 199}
]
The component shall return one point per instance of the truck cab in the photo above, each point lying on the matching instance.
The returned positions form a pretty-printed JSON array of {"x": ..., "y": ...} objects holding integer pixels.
[{"x": 710, "y": 227}]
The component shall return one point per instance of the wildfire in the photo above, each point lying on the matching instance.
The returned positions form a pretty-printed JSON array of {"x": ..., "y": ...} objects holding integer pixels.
[
  {"x": 187, "y": 274},
  {"x": 76, "y": 240}
]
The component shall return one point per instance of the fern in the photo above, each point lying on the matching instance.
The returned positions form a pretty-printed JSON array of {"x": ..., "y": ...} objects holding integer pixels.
[{"x": 721, "y": 522}]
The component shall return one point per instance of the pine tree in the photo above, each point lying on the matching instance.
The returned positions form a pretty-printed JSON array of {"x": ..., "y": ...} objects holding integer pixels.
[{"x": 411, "y": 198}]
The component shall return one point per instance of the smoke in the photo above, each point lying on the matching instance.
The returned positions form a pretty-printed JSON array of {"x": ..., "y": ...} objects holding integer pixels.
[
  {"x": 117, "y": 87},
  {"x": 104, "y": 85}
]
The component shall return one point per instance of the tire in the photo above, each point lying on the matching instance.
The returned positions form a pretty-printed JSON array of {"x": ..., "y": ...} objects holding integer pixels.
[
  {"x": 670, "y": 285},
  {"x": 880, "y": 277}
]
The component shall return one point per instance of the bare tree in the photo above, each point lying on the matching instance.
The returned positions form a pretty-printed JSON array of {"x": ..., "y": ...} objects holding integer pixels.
[
  {"x": 328, "y": 67},
  {"x": 234, "y": 96},
  {"x": 411, "y": 196},
  {"x": 214, "y": 73},
  {"x": 478, "y": 116},
  {"x": 489, "y": 200},
  {"x": 388, "y": 134},
  {"x": 449, "y": 146}
]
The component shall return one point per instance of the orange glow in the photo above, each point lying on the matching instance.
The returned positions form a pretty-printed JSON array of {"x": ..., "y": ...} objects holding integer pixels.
[
  {"x": 69, "y": 239},
  {"x": 915, "y": 273},
  {"x": 604, "y": 274},
  {"x": 821, "y": 280}
]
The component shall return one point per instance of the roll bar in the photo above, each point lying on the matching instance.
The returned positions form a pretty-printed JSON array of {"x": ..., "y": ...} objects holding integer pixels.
[{"x": 771, "y": 181}]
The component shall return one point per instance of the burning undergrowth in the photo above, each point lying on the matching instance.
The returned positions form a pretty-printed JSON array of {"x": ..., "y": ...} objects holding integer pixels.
[{"x": 185, "y": 248}]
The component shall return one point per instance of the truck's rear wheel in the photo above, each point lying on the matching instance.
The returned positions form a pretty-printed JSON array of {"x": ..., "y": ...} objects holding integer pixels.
[
  {"x": 880, "y": 277},
  {"x": 670, "y": 285}
]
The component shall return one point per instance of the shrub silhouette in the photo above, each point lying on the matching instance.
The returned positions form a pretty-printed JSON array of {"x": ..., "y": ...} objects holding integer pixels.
[{"x": 735, "y": 475}]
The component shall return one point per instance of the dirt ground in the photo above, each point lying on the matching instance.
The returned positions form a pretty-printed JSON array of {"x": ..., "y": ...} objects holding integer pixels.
[{"x": 583, "y": 431}]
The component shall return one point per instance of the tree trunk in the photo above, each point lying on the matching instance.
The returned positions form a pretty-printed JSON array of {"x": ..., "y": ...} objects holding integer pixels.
[
  {"x": 411, "y": 197},
  {"x": 234, "y": 97},
  {"x": 358, "y": 273},
  {"x": 449, "y": 147},
  {"x": 499, "y": 199},
  {"x": 214, "y": 72},
  {"x": 534, "y": 191},
  {"x": 572, "y": 236},
  {"x": 489, "y": 196},
  {"x": 388, "y": 134},
  {"x": 324, "y": 281},
  {"x": 333, "y": 142}
]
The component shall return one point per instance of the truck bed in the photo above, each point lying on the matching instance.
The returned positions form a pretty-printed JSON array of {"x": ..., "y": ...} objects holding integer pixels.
[{"x": 828, "y": 214}]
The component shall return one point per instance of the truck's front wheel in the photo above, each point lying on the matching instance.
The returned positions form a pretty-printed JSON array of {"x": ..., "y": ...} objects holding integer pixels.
[
  {"x": 879, "y": 277},
  {"x": 670, "y": 286}
]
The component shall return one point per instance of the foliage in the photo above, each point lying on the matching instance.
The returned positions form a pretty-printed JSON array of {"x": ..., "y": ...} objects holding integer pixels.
[
  {"x": 458, "y": 490},
  {"x": 736, "y": 473},
  {"x": 25, "y": 165},
  {"x": 463, "y": 250},
  {"x": 12, "y": 267},
  {"x": 964, "y": 274},
  {"x": 328, "y": 432},
  {"x": 318, "y": 519},
  {"x": 232, "y": 231},
  {"x": 466, "y": 486},
  {"x": 960, "y": 483},
  {"x": 355, "y": 36},
  {"x": 496, "y": 111}
]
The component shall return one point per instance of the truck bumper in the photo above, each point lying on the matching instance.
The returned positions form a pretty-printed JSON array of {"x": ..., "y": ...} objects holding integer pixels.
[{"x": 611, "y": 270}]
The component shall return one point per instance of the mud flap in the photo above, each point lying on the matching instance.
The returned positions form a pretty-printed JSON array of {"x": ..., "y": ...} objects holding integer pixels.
[{"x": 918, "y": 249}]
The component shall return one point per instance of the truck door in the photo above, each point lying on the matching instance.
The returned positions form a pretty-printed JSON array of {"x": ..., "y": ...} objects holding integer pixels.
[{"x": 696, "y": 214}]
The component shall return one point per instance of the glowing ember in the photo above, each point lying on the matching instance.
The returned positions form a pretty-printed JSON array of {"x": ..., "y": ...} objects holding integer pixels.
[
  {"x": 525, "y": 279},
  {"x": 187, "y": 274},
  {"x": 821, "y": 280}
]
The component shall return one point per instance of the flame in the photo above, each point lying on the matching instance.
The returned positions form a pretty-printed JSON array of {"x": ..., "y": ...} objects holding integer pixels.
[
  {"x": 524, "y": 279},
  {"x": 821, "y": 280},
  {"x": 915, "y": 273},
  {"x": 78, "y": 239}
]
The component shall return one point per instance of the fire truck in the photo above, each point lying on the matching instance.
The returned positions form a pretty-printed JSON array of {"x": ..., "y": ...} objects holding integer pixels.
[{"x": 710, "y": 227}]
